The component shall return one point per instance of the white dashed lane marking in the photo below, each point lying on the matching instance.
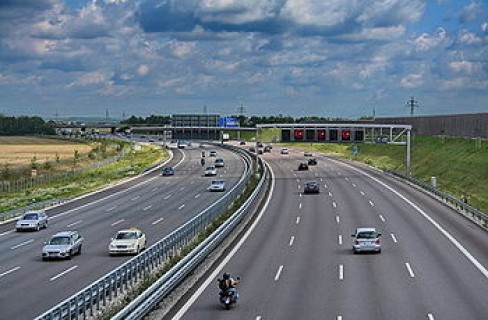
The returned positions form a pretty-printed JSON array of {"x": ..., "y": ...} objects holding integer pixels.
[
  {"x": 278, "y": 273},
  {"x": 63, "y": 273},
  {"x": 22, "y": 244},
  {"x": 9, "y": 271},
  {"x": 117, "y": 222}
]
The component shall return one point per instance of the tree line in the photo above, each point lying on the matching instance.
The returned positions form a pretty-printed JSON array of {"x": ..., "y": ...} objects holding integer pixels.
[
  {"x": 244, "y": 121},
  {"x": 24, "y": 125}
]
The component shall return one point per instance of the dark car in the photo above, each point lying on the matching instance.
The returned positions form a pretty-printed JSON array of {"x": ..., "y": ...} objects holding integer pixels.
[
  {"x": 303, "y": 166},
  {"x": 267, "y": 149},
  {"x": 168, "y": 171},
  {"x": 242, "y": 143},
  {"x": 311, "y": 187},
  {"x": 312, "y": 162}
]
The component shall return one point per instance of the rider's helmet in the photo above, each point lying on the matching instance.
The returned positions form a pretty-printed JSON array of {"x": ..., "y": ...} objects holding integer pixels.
[{"x": 226, "y": 276}]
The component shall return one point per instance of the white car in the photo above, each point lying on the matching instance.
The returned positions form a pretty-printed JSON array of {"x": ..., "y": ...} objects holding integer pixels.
[
  {"x": 213, "y": 153},
  {"x": 366, "y": 240},
  {"x": 219, "y": 163},
  {"x": 284, "y": 151},
  {"x": 128, "y": 241},
  {"x": 217, "y": 185},
  {"x": 32, "y": 220},
  {"x": 211, "y": 171}
]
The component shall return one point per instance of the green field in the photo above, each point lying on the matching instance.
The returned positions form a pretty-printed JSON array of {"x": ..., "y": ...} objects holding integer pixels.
[
  {"x": 460, "y": 165},
  {"x": 86, "y": 181}
]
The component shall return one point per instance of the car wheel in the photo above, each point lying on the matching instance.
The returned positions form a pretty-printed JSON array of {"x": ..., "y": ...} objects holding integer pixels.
[
  {"x": 45, "y": 225},
  {"x": 79, "y": 250},
  {"x": 38, "y": 227},
  {"x": 70, "y": 254}
]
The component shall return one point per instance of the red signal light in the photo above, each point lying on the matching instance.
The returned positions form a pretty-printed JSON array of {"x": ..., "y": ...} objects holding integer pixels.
[
  {"x": 298, "y": 134},
  {"x": 346, "y": 135}
]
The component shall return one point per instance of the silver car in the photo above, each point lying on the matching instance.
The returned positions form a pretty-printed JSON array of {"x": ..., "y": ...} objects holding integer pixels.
[
  {"x": 211, "y": 171},
  {"x": 217, "y": 185},
  {"x": 63, "y": 245},
  {"x": 219, "y": 163},
  {"x": 32, "y": 220},
  {"x": 366, "y": 240}
]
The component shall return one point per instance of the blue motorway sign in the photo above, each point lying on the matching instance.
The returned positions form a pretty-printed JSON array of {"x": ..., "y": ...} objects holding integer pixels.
[{"x": 228, "y": 122}]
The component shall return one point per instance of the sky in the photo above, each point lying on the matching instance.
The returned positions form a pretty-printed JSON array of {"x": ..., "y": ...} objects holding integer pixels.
[{"x": 334, "y": 58}]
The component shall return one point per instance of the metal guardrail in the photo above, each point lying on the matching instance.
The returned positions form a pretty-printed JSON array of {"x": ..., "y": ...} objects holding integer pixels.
[
  {"x": 476, "y": 214},
  {"x": 105, "y": 290},
  {"x": 37, "y": 205},
  {"x": 145, "y": 303}
]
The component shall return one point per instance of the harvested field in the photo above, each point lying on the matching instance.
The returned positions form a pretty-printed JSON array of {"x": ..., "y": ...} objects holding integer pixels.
[{"x": 19, "y": 151}]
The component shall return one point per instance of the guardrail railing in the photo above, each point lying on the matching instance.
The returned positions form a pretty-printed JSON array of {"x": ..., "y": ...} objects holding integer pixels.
[
  {"x": 96, "y": 296},
  {"x": 145, "y": 303},
  {"x": 477, "y": 215}
]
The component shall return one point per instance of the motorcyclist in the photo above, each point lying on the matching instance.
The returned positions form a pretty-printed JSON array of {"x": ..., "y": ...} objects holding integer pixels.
[
  {"x": 202, "y": 162},
  {"x": 228, "y": 284}
]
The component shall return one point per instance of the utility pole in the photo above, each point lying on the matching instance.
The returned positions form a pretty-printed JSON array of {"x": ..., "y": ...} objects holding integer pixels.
[
  {"x": 106, "y": 114},
  {"x": 412, "y": 104}
]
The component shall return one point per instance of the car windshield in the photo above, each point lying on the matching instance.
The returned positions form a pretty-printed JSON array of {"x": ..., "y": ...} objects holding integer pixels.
[
  {"x": 217, "y": 182},
  {"x": 59, "y": 241},
  {"x": 367, "y": 235},
  {"x": 210, "y": 168},
  {"x": 30, "y": 216},
  {"x": 126, "y": 235},
  {"x": 311, "y": 184}
]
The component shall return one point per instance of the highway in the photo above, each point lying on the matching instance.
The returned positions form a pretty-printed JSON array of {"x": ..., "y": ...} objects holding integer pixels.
[
  {"x": 297, "y": 261},
  {"x": 155, "y": 204}
]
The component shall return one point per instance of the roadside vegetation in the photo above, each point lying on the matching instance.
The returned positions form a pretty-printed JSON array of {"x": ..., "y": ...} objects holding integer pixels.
[
  {"x": 86, "y": 180},
  {"x": 460, "y": 165}
]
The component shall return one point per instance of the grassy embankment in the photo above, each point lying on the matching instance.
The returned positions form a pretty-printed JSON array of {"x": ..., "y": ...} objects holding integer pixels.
[
  {"x": 83, "y": 182},
  {"x": 461, "y": 167}
]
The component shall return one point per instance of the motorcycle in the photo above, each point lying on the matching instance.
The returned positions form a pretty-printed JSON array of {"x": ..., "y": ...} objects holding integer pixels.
[{"x": 229, "y": 298}]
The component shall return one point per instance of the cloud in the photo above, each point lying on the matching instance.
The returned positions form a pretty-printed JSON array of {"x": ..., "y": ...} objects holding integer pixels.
[
  {"x": 470, "y": 12},
  {"x": 412, "y": 80}
]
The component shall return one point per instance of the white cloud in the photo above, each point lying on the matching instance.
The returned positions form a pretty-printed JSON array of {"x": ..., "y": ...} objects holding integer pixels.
[
  {"x": 412, "y": 80},
  {"x": 427, "y": 41},
  {"x": 91, "y": 78},
  {"x": 142, "y": 70},
  {"x": 469, "y": 38}
]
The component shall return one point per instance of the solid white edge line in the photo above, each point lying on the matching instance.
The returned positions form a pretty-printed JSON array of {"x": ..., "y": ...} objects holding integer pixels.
[
  {"x": 278, "y": 273},
  {"x": 453, "y": 240},
  {"x": 410, "y": 271},
  {"x": 9, "y": 271},
  {"x": 227, "y": 258},
  {"x": 22, "y": 244},
  {"x": 63, "y": 273},
  {"x": 116, "y": 193}
]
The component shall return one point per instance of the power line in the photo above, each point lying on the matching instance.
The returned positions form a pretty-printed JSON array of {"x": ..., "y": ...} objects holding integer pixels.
[{"x": 412, "y": 104}]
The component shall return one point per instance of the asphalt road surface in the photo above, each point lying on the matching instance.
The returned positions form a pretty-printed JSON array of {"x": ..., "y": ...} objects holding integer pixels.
[
  {"x": 297, "y": 263},
  {"x": 155, "y": 204}
]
